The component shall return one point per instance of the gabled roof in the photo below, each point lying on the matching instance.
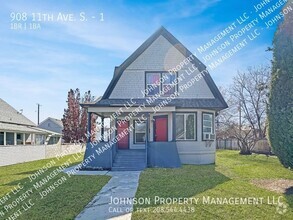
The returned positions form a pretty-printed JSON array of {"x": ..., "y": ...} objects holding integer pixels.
[
  {"x": 8, "y": 114},
  {"x": 54, "y": 120},
  {"x": 25, "y": 128},
  {"x": 221, "y": 104}
]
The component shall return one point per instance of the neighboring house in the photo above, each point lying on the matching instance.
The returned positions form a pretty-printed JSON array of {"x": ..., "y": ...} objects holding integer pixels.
[
  {"x": 16, "y": 129},
  {"x": 159, "y": 118},
  {"x": 52, "y": 124}
]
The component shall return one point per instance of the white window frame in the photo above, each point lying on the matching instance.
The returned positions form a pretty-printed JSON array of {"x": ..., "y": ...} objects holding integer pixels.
[
  {"x": 153, "y": 84},
  {"x": 161, "y": 83},
  {"x": 184, "y": 125},
  {"x": 135, "y": 131},
  {"x": 204, "y": 126}
]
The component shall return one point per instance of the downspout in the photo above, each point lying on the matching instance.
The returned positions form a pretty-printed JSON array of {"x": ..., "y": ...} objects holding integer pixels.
[{"x": 147, "y": 138}]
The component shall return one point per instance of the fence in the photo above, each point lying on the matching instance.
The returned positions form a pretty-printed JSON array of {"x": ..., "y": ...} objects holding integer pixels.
[
  {"x": 227, "y": 144},
  {"x": 24, "y": 153},
  {"x": 262, "y": 146}
]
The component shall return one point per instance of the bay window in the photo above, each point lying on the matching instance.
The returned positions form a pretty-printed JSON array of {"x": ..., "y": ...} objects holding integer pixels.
[{"x": 186, "y": 126}]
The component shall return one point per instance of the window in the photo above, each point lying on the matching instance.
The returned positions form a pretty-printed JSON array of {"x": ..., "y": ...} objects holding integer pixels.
[
  {"x": 1, "y": 138},
  {"x": 186, "y": 126},
  {"x": 207, "y": 123},
  {"x": 162, "y": 83},
  {"x": 9, "y": 138},
  {"x": 139, "y": 132},
  {"x": 153, "y": 83},
  {"x": 19, "y": 139},
  {"x": 168, "y": 86}
]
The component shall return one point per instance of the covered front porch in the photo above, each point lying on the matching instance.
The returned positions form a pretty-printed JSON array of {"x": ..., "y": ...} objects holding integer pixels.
[{"x": 133, "y": 138}]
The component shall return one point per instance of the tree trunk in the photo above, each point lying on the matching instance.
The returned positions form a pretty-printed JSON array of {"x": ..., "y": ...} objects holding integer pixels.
[{"x": 245, "y": 151}]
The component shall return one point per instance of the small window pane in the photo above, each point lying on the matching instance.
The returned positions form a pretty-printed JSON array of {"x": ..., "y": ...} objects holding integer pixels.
[
  {"x": 153, "y": 90},
  {"x": 207, "y": 130},
  {"x": 179, "y": 127},
  {"x": 168, "y": 78},
  {"x": 207, "y": 117},
  {"x": 168, "y": 89},
  {"x": 153, "y": 78},
  {"x": 207, "y": 123},
  {"x": 140, "y": 137},
  {"x": 190, "y": 127},
  {"x": 140, "y": 127}
]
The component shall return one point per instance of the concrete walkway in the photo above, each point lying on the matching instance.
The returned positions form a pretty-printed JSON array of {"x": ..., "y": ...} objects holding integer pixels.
[{"x": 114, "y": 201}]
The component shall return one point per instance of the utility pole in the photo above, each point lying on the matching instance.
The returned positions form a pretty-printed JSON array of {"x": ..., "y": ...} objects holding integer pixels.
[{"x": 38, "y": 113}]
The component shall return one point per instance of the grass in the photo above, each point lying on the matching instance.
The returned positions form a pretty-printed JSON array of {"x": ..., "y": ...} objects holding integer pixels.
[
  {"x": 230, "y": 178},
  {"x": 68, "y": 199}
]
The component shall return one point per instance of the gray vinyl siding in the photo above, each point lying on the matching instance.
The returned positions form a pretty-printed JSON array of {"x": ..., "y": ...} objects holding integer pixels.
[{"x": 160, "y": 56}]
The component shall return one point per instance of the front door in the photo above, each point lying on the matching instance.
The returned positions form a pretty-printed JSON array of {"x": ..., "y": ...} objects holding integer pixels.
[
  {"x": 161, "y": 128},
  {"x": 123, "y": 142}
]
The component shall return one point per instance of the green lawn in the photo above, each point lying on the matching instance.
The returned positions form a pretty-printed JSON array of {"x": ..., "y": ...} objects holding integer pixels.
[
  {"x": 70, "y": 196},
  {"x": 230, "y": 178}
]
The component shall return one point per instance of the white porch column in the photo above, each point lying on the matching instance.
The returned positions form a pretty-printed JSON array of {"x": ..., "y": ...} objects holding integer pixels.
[
  {"x": 4, "y": 138},
  {"x": 15, "y": 138},
  {"x": 23, "y": 139},
  {"x": 33, "y": 139},
  {"x": 173, "y": 126}
]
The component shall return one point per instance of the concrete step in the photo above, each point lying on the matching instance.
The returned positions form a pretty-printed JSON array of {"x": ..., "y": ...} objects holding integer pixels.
[
  {"x": 127, "y": 168},
  {"x": 129, "y": 160},
  {"x": 131, "y": 152},
  {"x": 128, "y": 164},
  {"x": 130, "y": 155}
]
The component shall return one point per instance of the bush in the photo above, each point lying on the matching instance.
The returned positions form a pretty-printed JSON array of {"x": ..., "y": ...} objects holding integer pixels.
[{"x": 280, "y": 111}]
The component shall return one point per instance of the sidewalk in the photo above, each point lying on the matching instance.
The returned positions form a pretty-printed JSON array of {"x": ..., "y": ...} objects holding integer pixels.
[{"x": 114, "y": 201}]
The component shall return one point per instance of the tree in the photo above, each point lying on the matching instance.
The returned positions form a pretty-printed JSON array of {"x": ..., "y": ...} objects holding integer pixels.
[
  {"x": 280, "y": 109},
  {"x": 87, "y": 98},
  {"x": 75, "y": 118},
  {"x": 69, "y": 119},
  {"x": 245, "y": 119}
]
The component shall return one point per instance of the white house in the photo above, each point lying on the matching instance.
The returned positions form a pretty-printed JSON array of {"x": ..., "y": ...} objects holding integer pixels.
[
  {"x": 16, "y": 129},
  {"x": 52, "y": 124},
  {"x": 162, "y": 103}
]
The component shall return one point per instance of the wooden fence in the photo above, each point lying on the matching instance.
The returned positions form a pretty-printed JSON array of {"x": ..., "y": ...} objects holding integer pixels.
[{"x": 262, "y": 146}]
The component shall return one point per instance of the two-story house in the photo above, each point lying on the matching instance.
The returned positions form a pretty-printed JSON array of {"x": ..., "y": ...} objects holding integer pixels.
[{"x": 162, "y": 105}]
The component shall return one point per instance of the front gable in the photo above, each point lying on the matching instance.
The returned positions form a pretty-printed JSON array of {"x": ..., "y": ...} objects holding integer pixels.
[{"x": 161, "y": 52}]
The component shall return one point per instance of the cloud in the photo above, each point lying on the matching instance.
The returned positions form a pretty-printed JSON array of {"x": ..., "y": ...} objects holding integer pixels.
[{"x": 187, "y": 8}]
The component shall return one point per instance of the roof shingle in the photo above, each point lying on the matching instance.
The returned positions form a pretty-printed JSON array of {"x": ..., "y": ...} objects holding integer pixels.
[{"x": 9, "y": 115}]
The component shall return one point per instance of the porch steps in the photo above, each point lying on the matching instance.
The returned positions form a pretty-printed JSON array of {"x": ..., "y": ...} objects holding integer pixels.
[{"x": 129, "y": 160}]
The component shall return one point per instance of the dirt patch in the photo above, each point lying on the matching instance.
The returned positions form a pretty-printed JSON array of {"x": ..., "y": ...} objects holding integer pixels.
[{"x": 278, "y": 185}]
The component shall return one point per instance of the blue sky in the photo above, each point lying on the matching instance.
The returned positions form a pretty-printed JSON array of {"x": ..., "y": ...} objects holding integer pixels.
[{"x": 40, "y": 66}]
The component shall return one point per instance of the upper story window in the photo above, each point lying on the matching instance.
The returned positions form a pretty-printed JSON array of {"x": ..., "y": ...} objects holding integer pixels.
[{"x": 162, "y": 83}]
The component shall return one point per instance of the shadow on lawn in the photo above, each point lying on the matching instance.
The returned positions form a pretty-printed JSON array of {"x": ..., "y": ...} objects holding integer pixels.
[
  {"x": 25, "y": 181},
  {"x": 184, "y": 182},
  {"x": 289, "y": 196}
]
